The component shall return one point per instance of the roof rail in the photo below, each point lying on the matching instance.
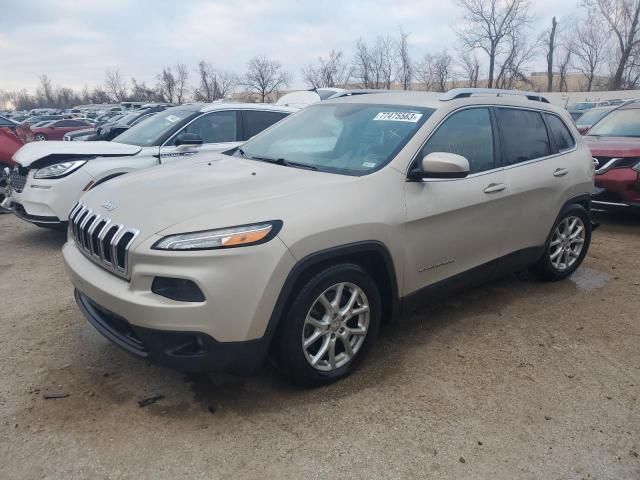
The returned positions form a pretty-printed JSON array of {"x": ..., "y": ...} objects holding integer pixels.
[{"x": 467, "y": 92}]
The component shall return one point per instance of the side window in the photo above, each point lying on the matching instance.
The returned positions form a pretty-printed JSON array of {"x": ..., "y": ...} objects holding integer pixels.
[
  {"x": 255, "y": 121},
  {"x": 560, "y": 133},
  {"x": 216, "y": 127},
  {"x": 63, "y": 123},
  {"x": 467, "y": 133},
  {"x": 523, "y": 135}
]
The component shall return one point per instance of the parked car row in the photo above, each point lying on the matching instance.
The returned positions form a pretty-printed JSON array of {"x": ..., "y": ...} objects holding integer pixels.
[{"x": 242, "y": 231}]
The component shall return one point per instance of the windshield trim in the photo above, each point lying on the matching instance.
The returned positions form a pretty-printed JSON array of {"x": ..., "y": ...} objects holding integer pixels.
[{"x": 427, "y": 112}]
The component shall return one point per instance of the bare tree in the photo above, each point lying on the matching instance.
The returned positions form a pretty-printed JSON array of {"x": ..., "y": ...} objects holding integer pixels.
[
  {"x": 167, "y": 85},
  {"x": 590, "y": 48},
  {"x": 213, "y": 84},
  {"x": 141, "y": 93},
  {"x": 374, "y": 66},
  {"x": 405, "y": 66},
  {"x": 623, "y": 17},
  {"x": 181, "y": 76},
  {"x": 551, "y": 45},
  {"x": 115, "y": 84},
  {"x": 330, "y": 72},
  {"x": 488, "y": 23},
  {"x": 563, "y": 62},
  {"x": 45, "y": 93},
  {"x": 265, "y": 76},
  {"x": 471, "y": 68},
  {"x": 435, "y": 72},
  {"x": 512, "y": 68}
]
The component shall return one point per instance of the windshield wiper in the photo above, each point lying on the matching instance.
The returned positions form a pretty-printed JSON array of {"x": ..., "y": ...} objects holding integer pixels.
[{"x": 284, "y": 163}]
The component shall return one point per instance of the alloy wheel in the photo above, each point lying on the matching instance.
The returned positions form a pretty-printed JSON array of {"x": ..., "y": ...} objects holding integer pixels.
[
  {"x": 335, "y": 327},
  {"x": 567, "y": 243}
]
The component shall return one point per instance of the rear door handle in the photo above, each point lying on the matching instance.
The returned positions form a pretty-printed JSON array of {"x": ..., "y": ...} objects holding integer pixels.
[
  {"x": 495, "y": 187},
  {"x": 560, "y": 172}
]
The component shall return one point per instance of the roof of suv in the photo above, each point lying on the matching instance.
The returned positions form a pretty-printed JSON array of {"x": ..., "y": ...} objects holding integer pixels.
[
  {"x": 438, "y": 100},
  {"x": 212, "y": 107}
]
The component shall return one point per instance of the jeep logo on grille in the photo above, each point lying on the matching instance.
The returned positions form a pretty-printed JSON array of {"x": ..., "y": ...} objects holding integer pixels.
[{"x": 109, "y": 206}]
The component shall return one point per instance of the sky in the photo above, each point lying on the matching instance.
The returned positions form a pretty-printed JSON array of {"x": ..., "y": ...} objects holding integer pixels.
[{"x": 75, "y": 41}]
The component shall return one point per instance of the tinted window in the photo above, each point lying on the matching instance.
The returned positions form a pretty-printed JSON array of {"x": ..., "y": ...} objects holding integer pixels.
[
  {"x": 523, "y": 135},
  {"x": 255, "y": 122},
  {"x": 467, "y": 133},
  {"x": 217, "y": 127},
  {"x": 67, "y": 123},
  {"x": 560, "y": 133}
]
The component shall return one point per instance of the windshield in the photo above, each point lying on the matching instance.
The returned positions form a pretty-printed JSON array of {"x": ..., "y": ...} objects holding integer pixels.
[
  {"x": 347, "y": 138},
  {"x": 153, "y": 131},
  {"x": 620, "y": 123},
  {"x": 592, "y": 116}
]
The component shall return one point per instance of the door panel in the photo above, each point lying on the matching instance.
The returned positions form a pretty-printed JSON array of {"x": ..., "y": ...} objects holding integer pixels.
[
  {"x": 456, "y": 225},
  {"x": 453, "y": 226}
]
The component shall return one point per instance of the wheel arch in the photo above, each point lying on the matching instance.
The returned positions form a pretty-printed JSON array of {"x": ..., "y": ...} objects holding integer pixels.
[{"x": 372, "y": 255}]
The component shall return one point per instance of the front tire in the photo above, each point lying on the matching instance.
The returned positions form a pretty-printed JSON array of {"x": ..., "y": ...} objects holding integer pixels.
[
  {"x": 332, "y": 323},
  {"x": 567, "y": 245},
  {"x": 40, "y": 137}
]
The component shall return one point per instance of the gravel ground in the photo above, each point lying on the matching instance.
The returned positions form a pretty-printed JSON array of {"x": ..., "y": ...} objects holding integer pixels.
[{"x": 516, "y": 379}]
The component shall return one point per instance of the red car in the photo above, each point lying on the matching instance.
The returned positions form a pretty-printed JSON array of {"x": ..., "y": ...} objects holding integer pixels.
[
  {"x": 12, "y": 137},
  {"x": 57, "y": 128},
  {"x": 615, "y": 145}
]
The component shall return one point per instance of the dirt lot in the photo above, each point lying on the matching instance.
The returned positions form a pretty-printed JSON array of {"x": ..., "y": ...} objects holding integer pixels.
[{"x": 516, "y": 379}]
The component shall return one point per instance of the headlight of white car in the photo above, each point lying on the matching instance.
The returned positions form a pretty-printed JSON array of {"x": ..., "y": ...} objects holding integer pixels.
[
  {"x": 59, "y": 169},
  {"x": 241, "y": 236}
]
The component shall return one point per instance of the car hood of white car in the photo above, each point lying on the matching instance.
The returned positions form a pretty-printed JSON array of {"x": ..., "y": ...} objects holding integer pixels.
[
  {"x": 219, "y": 192},
  {"x": 34, "y": 151}
]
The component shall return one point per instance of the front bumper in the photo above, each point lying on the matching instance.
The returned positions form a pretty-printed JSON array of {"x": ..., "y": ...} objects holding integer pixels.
[
  {"x": 183, "y": 351},
  {"x": 49, "y": 201},
  {"x": 228, "y": 331},
  {"x": 618, "y": 188}
]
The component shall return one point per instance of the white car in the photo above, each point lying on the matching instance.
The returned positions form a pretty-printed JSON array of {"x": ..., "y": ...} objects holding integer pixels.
[{"x": 52, "y": 176}]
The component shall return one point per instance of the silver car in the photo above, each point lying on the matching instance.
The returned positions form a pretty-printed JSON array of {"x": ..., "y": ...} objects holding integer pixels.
[{"x": 299, "y": 243}]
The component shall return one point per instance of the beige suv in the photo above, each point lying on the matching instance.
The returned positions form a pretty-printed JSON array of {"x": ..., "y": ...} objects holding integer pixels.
[{"x": 299, "y": 243}]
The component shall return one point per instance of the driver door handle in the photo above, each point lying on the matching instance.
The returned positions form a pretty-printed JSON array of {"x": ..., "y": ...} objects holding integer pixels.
[
  {"x": 560, "y": 172},
  {"x": 495, "y": 187}
]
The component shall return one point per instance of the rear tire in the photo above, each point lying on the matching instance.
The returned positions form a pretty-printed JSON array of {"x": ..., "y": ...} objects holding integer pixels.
[
  {"x": 566, "y": 246},
  {"x": 40, "y": 137},
  {"x": 330, "y": 326}
]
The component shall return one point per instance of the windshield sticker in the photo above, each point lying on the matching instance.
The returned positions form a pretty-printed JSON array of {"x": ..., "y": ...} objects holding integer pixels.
[
  {"x": 173, "y": 118},
  {"x": 399, "y": 116},
  {"x": 369, "y": 164}
]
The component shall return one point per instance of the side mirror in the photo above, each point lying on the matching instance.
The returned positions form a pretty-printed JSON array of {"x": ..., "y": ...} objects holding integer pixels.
[
  {"x": 441, "y": 165},
  {"x": 189, "y": 139}
]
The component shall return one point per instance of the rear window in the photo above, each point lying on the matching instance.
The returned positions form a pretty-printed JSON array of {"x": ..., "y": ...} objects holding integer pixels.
[
  {"x": 523, "y": 135},
  {"x": 560, "y": 133}
]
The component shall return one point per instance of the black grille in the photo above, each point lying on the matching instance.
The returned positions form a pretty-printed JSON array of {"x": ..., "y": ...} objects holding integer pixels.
[
  {"x": 18, "y": 179},
  {"x": 103, "y": 241}
]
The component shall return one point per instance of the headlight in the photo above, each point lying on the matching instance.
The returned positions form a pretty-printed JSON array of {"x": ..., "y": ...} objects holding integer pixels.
[
  {"x": 59, "y": 169},
  {"x": 240, "y": 236}
]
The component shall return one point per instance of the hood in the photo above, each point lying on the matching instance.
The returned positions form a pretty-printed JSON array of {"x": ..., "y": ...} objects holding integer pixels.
[
  {"x": 220, "y": 192},
  {"x": 613, "y": 146},
  {"x": 59, "y": 150}
]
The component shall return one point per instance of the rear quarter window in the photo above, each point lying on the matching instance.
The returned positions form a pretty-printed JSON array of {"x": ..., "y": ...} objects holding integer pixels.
[{"x": 560, "y": 133}]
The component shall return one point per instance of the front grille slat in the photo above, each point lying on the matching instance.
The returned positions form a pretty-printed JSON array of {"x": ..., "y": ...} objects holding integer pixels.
[
  {"x": 18, "y": 179},
  {"x": 102, "y": 241}
]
